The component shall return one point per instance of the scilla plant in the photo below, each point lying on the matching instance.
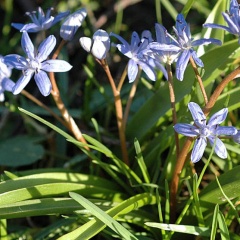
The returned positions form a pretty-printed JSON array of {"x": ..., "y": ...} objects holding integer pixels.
[{"x": 131, "y": 137}]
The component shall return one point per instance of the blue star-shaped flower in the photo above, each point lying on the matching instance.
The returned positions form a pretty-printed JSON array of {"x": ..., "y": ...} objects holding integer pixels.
[
  {"x": 134, "y": 51},
  {"x": 41, "y": 21},
  {"x": 204, "y": 131},
  {"x": 232, "y": 17},
  {"x": 183, "y": 45},
  {"x": 36, "y": 64}
]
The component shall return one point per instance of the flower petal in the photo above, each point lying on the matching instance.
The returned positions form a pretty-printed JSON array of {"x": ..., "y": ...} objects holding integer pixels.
[
  {"x": 148, "y": 70},
  {"x": 86, "y": 43},
  {"x": 197, "y": 114},
  {"x": 132, "y": 70},
  {"x": 43, "y": 82},
  {"x": 22, "y": 82},
  {"x": 17, "y": 25},
  {"x": 45, "y": 48},
  {"x": 182, "y": 63},
  {"x": 16, "y": 61},
  {"x": 198, "y": 149},
  {"x": 222, "y": 130},
  {"x": 218, "y": 117},
  {"x": 98, "y": 49},
  {"x": 31, "y": 27},
  {"x": 56, "y": 66},
  {"x": 27, "y": 45},
  {"x": 7, "y": 84},
  {"x": 186, "y": 129},
  {"x": 220, "y": 148}
]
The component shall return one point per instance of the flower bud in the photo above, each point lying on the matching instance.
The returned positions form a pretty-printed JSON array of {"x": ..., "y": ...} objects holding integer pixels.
[
  {"x": 98, "y": 46},
  {"x": 72, "y": 23}
]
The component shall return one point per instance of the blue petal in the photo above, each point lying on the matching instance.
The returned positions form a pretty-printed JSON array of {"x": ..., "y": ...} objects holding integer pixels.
[
  {"x": 22, "y": 82},
  {"x": 16, "y": 61},
  {"x": 7, "y": 84},
  {"x": 196, "y": 59},
  {"x": 164, "y": 47},
  {"x": 197, "y": 114},
  {"x": 186, "y": 129},
  {"x": 17, "y": 25},
  {"x": 148, "y": 70},
  {"x": 232, "y": 25},
  {"x": 182, "y": 64},
  {"x": 204, "y": 41},
  {"x": 56, "y": 66},
  {"x": 132, "y": 70},
  {"x": 31, "y": 27},
  {"x": 236, "y": 137},
  {"x": 124, "y": 48},
  {"x": 213, "y": 25},
  {"x": 43, "y": 82},
  {"x": 46, "y": 48},
  {"x": 60, "y": 16},
  {"x": 220, "y": 148},
  {"x": 47, "y": 23},
  {"x": 27, "y": 45},
  {"x": 222, "y": 130},
  {"x": 218, "y": 117},
  {"x": 198, "y": 149},
  {"x": 135, "y": 41}
]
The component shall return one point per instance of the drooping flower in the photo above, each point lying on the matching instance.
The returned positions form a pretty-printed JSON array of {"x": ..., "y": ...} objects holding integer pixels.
[
  {"x": 134, "y": 51},
  {"x": 232, "y": 18},
  {"x": 72, "y": 23},
  {"x": 183, "y": 45},
  {"x": 204, "y": 131},
  {"x": 40, "y": 20},
  {"x": 6, "y": 84},
  {"x": 99, "y": 45},
  {"x": 36, "y": 64}
]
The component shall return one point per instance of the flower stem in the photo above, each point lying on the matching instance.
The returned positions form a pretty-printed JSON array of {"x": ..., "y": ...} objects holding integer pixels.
[
  {"x": 72, "y": 126},
  {"x": 199, "y": 79},
  {"x": 173, "y": 104},
  {"x": 184, "y": 152},
  {"x": 119, "y": 111},
  {"x": 130, "y": 98},
  {"x": 124, "y": 74}
]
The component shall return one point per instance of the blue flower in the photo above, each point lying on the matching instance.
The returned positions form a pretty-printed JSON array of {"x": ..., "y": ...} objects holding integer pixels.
[
  {"x": 232, "y": 17},
  {"x": 183, "y": 45},
  {"x": 204, "y": 131},
  {"x": 72, "y": 23},
  {"x": 134, "y": 51},
  {"x": 98, "y": 46},
  {"x": 6, "y": 84},
  {"x": 41, "y": 21},
  {"x": 36, "y": 64}
]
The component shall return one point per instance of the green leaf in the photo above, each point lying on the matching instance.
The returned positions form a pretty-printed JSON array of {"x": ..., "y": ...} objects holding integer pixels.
[
  {"x": 223, "y": 227},
  {"x": 194, "y": 230},
  {"x": 20, "y": 151},
  {"x": 214, "y": 223},
  {"x": 94, "y": 226},
  {"x": 104, "y": 217},
  {"x": 187, "y": 7},
  {"x": 230, "y": 183}
]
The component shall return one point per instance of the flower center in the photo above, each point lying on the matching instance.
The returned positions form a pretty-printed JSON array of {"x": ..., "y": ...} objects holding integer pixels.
[
  {"x": 206, "y": 131},
  {"x": 34, "y": 65}
]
